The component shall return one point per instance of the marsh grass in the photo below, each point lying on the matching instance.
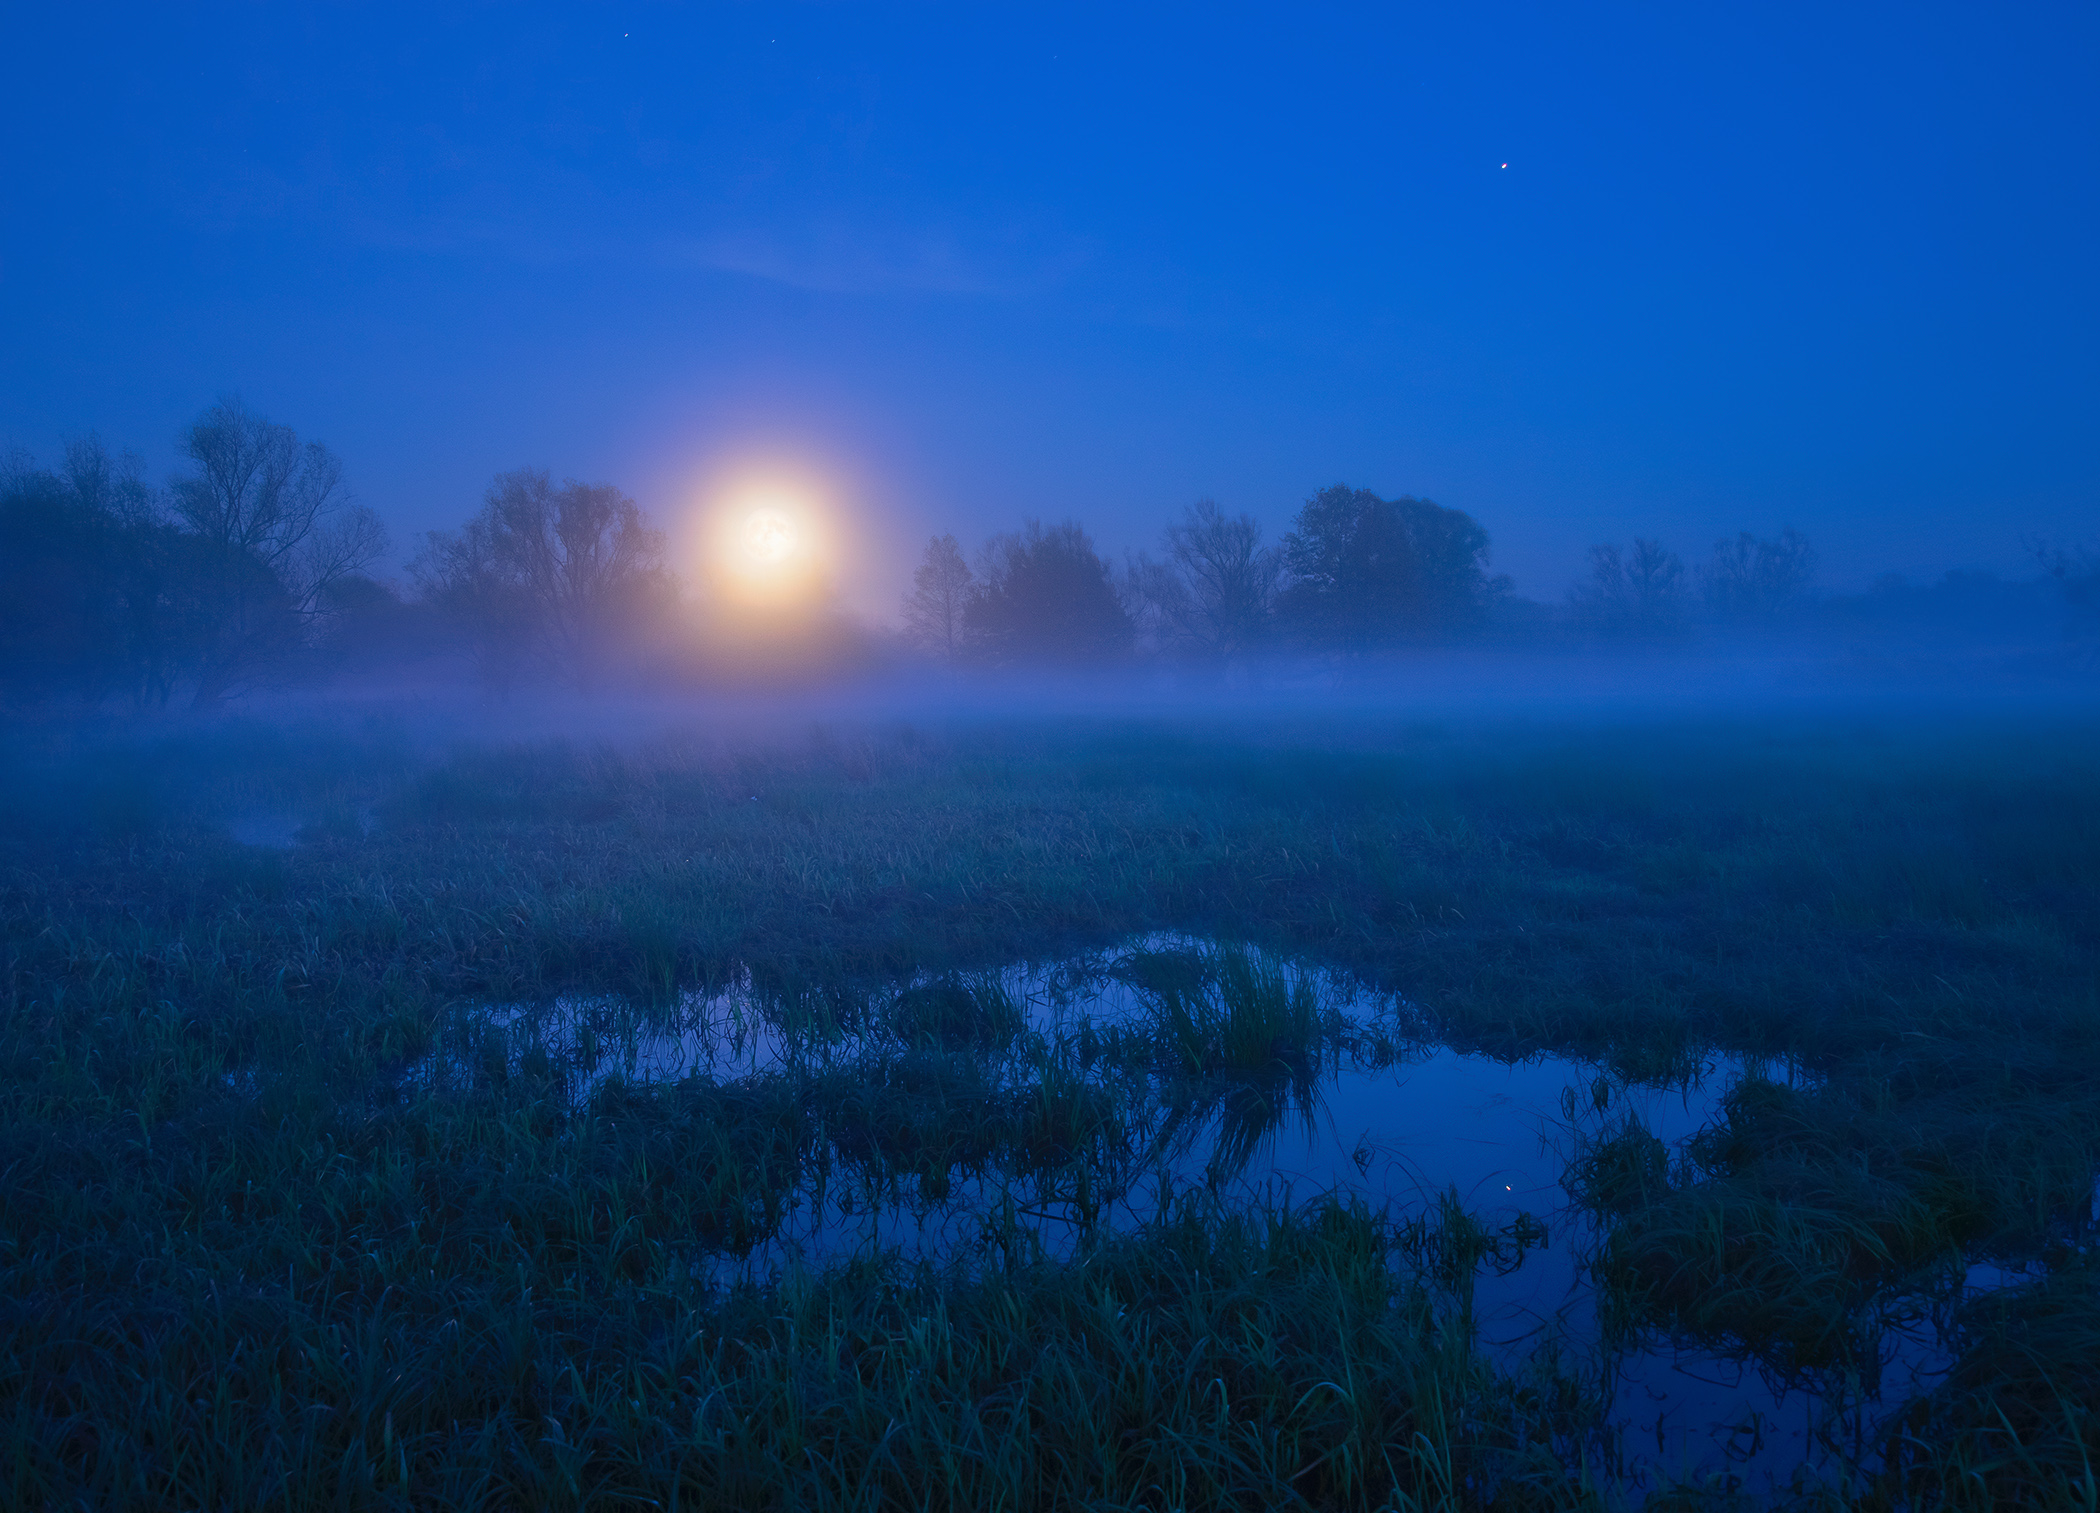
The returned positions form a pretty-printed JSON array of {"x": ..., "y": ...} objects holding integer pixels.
[
  {"x": 952, "y": 1013},
  {"x": 548, "y": 1350},
  {"x": 1797, "y": 1222},
  {"x": 245, "y": 1262},
  {"x": 1242, "y": 1038},
  {"x": 1797, "y": 1236},
  {"x": 1231, "y": 1011},
  {"x": 2016, "y": 1422}
]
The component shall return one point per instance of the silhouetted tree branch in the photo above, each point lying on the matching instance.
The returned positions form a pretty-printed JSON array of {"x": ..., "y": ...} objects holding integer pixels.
[
  {"x": 1212, "y": 597},
  {"x": 258, "y": 499},
  {"x": 1639, "y": 594}
]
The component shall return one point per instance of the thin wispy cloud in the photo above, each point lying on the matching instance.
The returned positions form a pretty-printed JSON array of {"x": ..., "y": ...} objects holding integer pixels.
[{"x": 844, "y": 258}]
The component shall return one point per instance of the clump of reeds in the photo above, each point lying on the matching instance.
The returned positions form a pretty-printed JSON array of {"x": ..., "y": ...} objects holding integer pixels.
[
  {"x": 1240, "y": 1034},
  {"x": 1621, "y": 1172},
  {"x": 710, "y": 1164},
  {"x": 1244, "y": 1011},
  {"x": 1450, "y": 1244},
  {"x": 920, "y": 1113},
  {"x": 1214, "y": 1360},
  {"x": 953, "y": 1014}
]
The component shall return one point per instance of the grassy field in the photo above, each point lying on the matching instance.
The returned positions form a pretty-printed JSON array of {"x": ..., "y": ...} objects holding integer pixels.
[{"x": 244, "y": 1263}]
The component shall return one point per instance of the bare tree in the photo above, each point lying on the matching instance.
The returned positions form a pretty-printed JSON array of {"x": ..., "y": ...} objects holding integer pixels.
[
  {"x": 17, "y": 467},
  {"x": 933, "y": 610},
  {"x": 559, "y": 571},
  {"x": 1752, "y": 581},
  {"x": 1639, "y": 593},
  {"x": 258, "y": 492},
  {"x": 111, "y": 486},
  {"x": 279, "y": 530},
  {"x": 1212, "y": 596}
]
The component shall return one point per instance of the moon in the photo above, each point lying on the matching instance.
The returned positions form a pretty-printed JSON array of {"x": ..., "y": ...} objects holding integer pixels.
[{"x": 768, "y": 538}]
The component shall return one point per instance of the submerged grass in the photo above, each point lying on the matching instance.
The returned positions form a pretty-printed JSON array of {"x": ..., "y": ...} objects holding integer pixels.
[{"x": 245, "y": 1263}]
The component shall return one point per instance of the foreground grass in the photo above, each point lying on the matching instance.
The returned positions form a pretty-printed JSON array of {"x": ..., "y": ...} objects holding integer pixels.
[
  {"x": 1214, "y": 1361},
  {"x": 229, "y": 1258}
]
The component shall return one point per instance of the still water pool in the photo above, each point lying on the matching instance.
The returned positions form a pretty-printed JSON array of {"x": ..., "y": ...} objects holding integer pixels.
[{"x": 1050, "y": 1099}]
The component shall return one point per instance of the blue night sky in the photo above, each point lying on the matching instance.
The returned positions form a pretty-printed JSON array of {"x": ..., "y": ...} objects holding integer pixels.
[{"x": 1824, "y": 266}]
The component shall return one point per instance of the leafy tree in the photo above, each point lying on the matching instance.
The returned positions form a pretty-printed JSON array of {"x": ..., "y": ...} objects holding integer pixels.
[
  {"x": 99, "y": 593},
  {"x": 107, "y": 585},
  {"x": 933, "y": 610},
  {"x": 277, "y": 529},
  {"x": 561, "y": 573},
  {"x": 1211, "y": 598},
  {"x": 203, "y": 617},
  {"x": 1750, "y": 581},
  {"x": 1046, "y": 598},
  {"x": 61, "y": 624},
  {"x": 1366, "y": 572},
  {"x": 369, "y": 628},
  {"x": 1638, "y": 594}
]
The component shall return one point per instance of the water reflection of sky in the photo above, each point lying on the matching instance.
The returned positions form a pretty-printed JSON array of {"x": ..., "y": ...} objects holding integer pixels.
[{"x": 1389, "y": 1116}]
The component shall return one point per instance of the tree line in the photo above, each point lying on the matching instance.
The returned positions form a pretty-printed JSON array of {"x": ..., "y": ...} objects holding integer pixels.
[
  {"x": 110, "y": 586},
  {"x": 251, "y": 566},
  {"x": 1356, "y": 574},
  {"x": 1646, "y": 594}
]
